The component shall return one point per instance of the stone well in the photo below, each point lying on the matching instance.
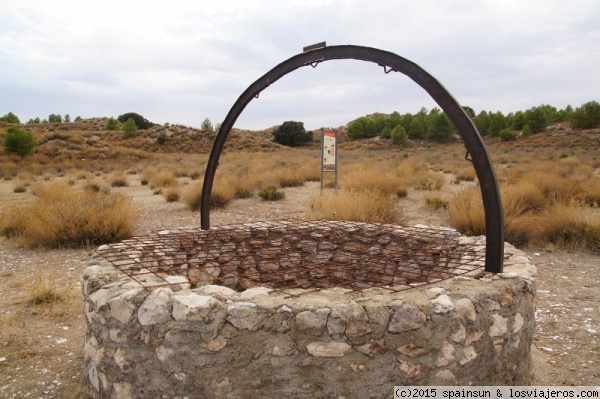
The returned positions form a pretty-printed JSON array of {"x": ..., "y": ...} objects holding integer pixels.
[{"x": 303, "y": 310}]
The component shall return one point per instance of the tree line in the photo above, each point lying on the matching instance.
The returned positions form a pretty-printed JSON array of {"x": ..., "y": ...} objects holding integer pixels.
[{"x": 434, "y": 125}]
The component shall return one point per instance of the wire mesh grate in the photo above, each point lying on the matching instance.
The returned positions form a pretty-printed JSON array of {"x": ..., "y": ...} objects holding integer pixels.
[{"x": 296, "y": 257}]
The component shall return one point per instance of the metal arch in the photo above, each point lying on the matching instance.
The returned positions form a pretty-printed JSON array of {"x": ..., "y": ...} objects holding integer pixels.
[{"x": 494, "y": 217}]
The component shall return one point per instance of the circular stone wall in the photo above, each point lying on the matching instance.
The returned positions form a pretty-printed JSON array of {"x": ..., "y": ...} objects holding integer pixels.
[{"x": 155, "y": 330}]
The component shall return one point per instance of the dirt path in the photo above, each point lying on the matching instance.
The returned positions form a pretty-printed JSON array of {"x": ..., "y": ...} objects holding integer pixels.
[{"x": 41, "y": 347}]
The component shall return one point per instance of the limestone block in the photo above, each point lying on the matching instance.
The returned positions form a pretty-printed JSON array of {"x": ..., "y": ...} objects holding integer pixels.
[
  {"x": 156, "y": 308},
  {"x": 446, "y": 355},
  {"x": 163, "y": 353},
  {"x": 465, "y": 308},
  {"x": 411, "y": 350},
  {"x": 93, "y": 351},
  {"x": 328, "y": 349},
  {"x": 406, "y": 317},
  {"x": 122, "y": 307},
  {"x": 336, "y": 324},
  {"x": 409, "y": 369},
  {"x": 499, "y": 327},
  {"x": 122, "y": 390},
  {"x": 245, "y": 316},
  {"x": 442, "y": 304},
  {"x": 459, "y": 335},
  {"x": 193, "y": 307},
  {"x": 312, "y": 322},
  {"x": 358, "y": 322},
  {"x": 468, "y": 355},
  {"x": 518, "y": 323},
  {"x": 220, "y": 292},
  {"x": 372, "y": 348}
]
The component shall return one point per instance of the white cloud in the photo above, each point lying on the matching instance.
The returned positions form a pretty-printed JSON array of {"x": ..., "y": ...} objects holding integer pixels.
[{"x": 185, "y": 60}]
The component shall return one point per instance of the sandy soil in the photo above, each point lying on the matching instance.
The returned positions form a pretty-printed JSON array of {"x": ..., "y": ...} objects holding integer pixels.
[{"x": 41, "y": 347}]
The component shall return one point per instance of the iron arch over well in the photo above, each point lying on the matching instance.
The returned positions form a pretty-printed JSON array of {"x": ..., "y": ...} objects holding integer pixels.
[{"x": 494, "y": 217}]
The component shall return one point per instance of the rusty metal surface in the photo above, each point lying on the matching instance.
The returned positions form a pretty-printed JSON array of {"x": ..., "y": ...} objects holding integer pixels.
[
  {"x": 494, "y": 216},
  {"x": 297, "y": 257}
]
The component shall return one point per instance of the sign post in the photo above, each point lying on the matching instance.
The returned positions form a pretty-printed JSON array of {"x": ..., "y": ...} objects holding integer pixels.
[{"x": 329, "y": 155}]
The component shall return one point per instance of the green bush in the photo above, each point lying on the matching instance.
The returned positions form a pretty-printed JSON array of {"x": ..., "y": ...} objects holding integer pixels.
[
  {"x": 53, "y": 118},
  {"x": 140, "y": 121},
  {"x": 162, "y": 138},
  {"x": 441, "y": 129},
  {"x": 18, "y": 141},
  {"x": 386, "y": 133},
  {"x": 398, "y": 135},
  {"x": 507, "y": 135},
  {"x": 10, "y": 118},
  {"x": 130, "y": 129},
  {"x": 206, "y": 125},
  {"x": 112, "y": 124},
  {"x": 586, "y": 116},
  {"x": 271, "y": 193},
  {"x": 536, "y": 119},
  {"x": 292, "y": 134}
]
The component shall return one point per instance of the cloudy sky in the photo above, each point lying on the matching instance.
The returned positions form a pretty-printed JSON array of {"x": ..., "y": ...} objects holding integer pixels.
[{"x": 181, "y": 61}]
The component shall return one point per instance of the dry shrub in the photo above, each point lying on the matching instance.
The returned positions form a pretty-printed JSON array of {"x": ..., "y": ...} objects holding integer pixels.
[
  {"x": 310, "y": 170},
  {"x": 64, "y": 217},
  {"x": 44, "y": 290},
  {"x": 436, "y": 203},
  {"x": 118, "y": 179},
  {"x": 527, "y": 219},
  {"x": 362, "y": 179},
  {"x": 590, "y": 194},
  {"x": 555, "y": 188},
  {"x": 271, "y": 193},
  {"x": 466, "y": 174},
  {"x": 163, "y": 179},
  {"x": 20, "y": 188},
  {"x": 221, "y": 195},
  {"x": 466, "y": 212},
  {"x": 361, "y": 206},
  {"x": 82, "y": 175},
  {"x": 192, "y": 196},
  {"x": 527, "y": 193},
  {"x": 96, "y": 187},
  {"x": 573, "y": 169},
  {"x": 291, "y": 179},
  {"x": 569, "y": 226},
  {"x": 171, "y": 195},
  {"x": 427, "y": 180}
]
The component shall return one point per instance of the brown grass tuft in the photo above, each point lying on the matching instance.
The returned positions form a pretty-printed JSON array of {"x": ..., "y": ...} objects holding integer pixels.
[
  {"x": 171, "y": 195},
  {"x": 44, "y": 290},
  {"x": 64, "y": 217},
  {"x": 361, "y": 206}
]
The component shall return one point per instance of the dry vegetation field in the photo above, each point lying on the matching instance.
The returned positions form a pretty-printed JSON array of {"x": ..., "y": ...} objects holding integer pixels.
[{"x": 83, "y": 186}]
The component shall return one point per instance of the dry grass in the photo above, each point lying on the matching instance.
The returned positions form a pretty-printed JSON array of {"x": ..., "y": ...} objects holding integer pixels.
[
  {"x": 435, "y": 203},
  {"x": 163, "y": 179},
  {"x": 118, "y": 179},
  {"x": 529, "y": 217},
  {"x": 363, "y": 179},
  {"x": 362, "y": 206},
  {"x": 64, "y": 217},
  {"x": 45, "y": 290},
  {"x": 569, "y": 226},
  {"x": 221, "y": 195},
  {"x": 171, "y": 195},
  {"x": 271, "y": 193},
  {"x": 20, "y": 188},
  {"x": 427, "y": 180}
]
